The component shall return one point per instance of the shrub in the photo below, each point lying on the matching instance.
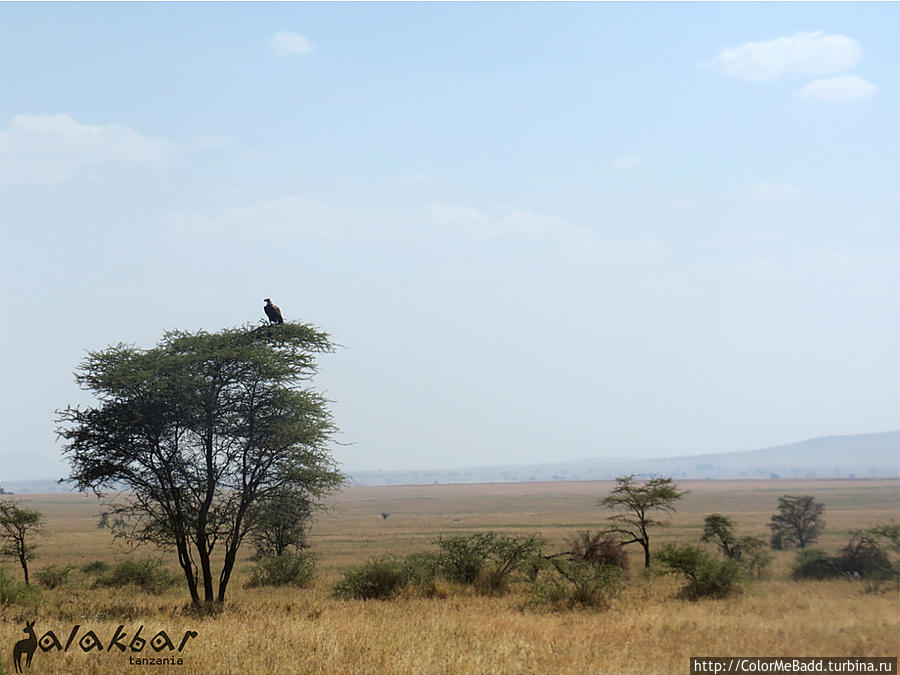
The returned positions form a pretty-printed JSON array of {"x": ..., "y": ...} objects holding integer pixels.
[
  {"x": 95, "y": 567},
  {"x": 14, "y": 592},
  {"x": 753, "y": 553},
  {"x": 53, "y": 575},
  {"x": 815, "y": 564},
  {"x": 149, "y": 575},
  {"x": 421, "y": 570},
  {"x": 379, "y": 579},
  {"x": 707, "y": 576},
  {"x": 287, "y": 569},
  {"x": 862, "y": 558},
  {"x": 485, "y": 560},
  {"x": 565, "y": 583},
  {"x": 598, "y": 549}
]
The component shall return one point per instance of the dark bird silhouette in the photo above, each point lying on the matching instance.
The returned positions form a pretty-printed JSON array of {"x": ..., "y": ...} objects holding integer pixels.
[{"x": 273, "y": 312}]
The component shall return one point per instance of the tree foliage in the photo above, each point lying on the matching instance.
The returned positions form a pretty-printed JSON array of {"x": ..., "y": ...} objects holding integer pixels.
[
  {"x": 797, "y": 523},
  {"x": 200, "y": 430},
  {"x": 748, "y": 550},
  {"x": 18, "y": 525},
  {"x": 636, "y": 503},
  {"x": 282, "y": 518}
]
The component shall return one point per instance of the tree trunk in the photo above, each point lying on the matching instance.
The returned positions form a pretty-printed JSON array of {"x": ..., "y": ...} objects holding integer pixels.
[
  {"x": 24, "y": 562},
  {"x": 646, "y": 545}
]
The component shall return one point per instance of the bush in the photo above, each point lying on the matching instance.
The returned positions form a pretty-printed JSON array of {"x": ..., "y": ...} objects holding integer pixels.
[
  {"x": 294, "y": 569},
  {"x": 707, "y": 576},
  {"x": 422, "y": 571},
  {"x": 598, "y": 549},
  {"x": 815, "y": 564},
  {"x": 861, "y": 558},
  {"x": 95, "y": 567},
  {"x": 379, "y": 579},
  {"x": 15, "y": 592},
  {"x": 485, "y": 560},
  {"x": 53, "y": 575},
  {"x": 564, "y": 583},
  {"x": 753, "y": 553},
  {"x": 149, "y": 575},
  {"x": 287, "y": 569}
]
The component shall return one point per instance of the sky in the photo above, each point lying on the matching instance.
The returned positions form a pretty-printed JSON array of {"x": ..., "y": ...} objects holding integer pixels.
[{"x": 539, "y": 232}]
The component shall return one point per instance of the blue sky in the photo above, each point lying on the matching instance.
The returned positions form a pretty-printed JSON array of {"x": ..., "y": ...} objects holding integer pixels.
[{"x": 539, "y": 231}]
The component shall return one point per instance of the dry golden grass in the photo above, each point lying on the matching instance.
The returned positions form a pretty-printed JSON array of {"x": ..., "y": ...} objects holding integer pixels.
[{"x": 647, "y": 629}]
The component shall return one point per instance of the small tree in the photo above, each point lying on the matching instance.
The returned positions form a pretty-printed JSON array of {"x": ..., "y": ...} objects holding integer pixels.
[
  {"x": 281, "y": 518},
  {"x": 637, "y": 502},
  {"x": 798, "y": 521},
  {"x": 18, "y": 525},
  {"x": 720, "y": 530},
  {"x": 751, "y": 551}
]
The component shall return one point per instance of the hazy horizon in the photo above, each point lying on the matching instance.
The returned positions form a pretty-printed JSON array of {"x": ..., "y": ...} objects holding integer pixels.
[{"x": 541, "y": 232}]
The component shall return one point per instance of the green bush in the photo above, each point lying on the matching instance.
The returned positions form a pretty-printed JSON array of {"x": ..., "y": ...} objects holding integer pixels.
[
  {"x": 379, "y": 579},
  {"x": 95, "y": 567},
  {"x": 485, "y": 560},
  {"x": 287, "y": 569},
  {"x": 707, "y": 577},
  {"x": 421, "y": 570},
  {"x": 862, "y": 558},
  {"x": 53, "y": 575},
  {"x": 565, "y": 583},
  {"x": 15, "y": 592},
  {"x": 813, "y": 563},
  {"x": 147, "y": 574}
]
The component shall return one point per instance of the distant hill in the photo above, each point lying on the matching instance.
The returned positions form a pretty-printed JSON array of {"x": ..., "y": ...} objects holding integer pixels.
[{"x": 856, "y": 456}]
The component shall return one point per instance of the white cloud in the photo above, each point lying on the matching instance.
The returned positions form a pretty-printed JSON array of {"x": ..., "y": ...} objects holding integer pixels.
[
  {"x": 769, "y": 191},
  {"x": 627, "y": 162},
  {"x": 211, "y": 142},
  {"x": 293, "y": 214},
  {"x": 286, "y": 43},
  {"x": 813, "y": 54},
  {"x": 834, "y": 89},
  {"x": 466, "y": 219},
  {"x": 54, "y": 148}
]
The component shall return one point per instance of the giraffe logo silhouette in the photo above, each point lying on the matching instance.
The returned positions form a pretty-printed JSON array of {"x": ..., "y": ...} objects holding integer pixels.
[{"x": 25, "y": 646}]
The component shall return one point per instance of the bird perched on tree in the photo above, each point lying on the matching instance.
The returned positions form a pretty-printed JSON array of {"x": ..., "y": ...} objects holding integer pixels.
[{"x": 273, "y": 312}]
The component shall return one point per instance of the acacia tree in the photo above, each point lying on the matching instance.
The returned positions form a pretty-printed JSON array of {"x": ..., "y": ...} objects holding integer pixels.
[
  {"x": 637, "y": 501},
  {"x": 798, "y": 521},
  {"x": 198, "y": 431},
  {"x": 720, "y": 529},
  {"x": 18, "y": 525}
]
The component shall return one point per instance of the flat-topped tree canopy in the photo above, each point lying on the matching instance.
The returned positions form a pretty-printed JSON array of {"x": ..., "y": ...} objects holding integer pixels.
[{"x": 199, "y": 429}]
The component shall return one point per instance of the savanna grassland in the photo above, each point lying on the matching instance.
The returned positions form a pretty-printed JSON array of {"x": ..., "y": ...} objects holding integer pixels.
[{"x": 646, "y": 629}]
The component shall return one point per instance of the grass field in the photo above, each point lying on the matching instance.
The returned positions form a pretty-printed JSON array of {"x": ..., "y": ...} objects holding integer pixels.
[{"x": 646, "y": 630}]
